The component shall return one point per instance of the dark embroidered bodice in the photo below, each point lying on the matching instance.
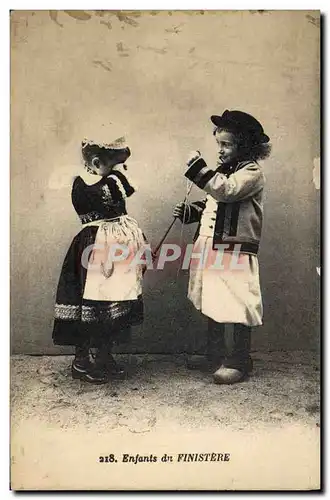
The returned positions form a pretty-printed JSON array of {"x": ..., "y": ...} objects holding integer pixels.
[{"x": 103, "y": 200}]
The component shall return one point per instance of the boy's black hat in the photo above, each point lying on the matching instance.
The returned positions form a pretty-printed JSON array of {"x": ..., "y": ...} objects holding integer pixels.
[{"x": 241, "y": 122}]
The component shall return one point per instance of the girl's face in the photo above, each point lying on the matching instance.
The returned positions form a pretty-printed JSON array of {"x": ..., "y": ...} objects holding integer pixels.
[
  {"x": 105, "y": 165},
  {"x": 227, "y": 146}
]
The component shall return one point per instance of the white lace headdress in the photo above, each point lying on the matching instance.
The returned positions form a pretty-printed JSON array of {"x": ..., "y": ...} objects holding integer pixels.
[
  {"x": 95, "y": 132},
  {"x": 109, "y": 136},
  {"x": 118, "y": 143}
]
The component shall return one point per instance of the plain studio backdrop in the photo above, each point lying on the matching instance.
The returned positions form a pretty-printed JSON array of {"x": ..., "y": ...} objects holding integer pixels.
[{"x": 158, "y": 76}]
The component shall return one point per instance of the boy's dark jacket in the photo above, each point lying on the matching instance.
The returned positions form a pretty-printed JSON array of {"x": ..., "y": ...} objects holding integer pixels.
[{"x": 238, "y": 191}]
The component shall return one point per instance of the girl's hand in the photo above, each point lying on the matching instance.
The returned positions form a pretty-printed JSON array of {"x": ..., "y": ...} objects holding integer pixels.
[
  {"x": 179, "y": 211},
  {"x": 193, "y": 156}
]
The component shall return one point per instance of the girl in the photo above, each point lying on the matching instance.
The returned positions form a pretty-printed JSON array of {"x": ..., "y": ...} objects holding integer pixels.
[
  {"x": 226, "y": 286},
  {"x": 99, "y": 297}
]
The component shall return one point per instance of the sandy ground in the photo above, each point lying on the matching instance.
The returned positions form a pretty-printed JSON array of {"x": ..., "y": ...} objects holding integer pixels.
[{"x": 159, "y": 396}]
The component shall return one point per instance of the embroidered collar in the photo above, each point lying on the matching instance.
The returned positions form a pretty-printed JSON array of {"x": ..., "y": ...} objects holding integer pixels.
[
  {"x": 230, "y": 168},
  {"x": 227, "y": 168}
]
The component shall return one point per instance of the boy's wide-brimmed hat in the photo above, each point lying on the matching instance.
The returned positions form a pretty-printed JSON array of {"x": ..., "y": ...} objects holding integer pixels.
[{"x": 241, "y": 122}]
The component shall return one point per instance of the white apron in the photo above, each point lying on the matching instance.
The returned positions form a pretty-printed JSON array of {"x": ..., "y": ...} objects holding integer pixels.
[{"x": 110, "y": 279}]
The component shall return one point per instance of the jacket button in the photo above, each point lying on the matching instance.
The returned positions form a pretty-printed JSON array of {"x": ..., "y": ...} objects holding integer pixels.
[
  {"x": 211, "y": 227},
  {"x": 212, "y": 218}
]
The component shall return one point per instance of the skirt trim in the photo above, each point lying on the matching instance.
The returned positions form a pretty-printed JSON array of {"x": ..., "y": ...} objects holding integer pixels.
[
  {"x": 108, "y": 312},
  {"x": 67, "y": 312}
]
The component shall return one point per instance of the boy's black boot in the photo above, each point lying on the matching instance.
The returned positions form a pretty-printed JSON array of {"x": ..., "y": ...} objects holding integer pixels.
[
  {"x": 236, "y": 367},
  {"x": 215, "y": 350},
  {"x": 216, "y": 344}
]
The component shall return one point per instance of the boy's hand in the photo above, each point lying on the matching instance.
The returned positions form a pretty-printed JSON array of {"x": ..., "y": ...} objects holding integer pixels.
[
  {"x": 193, "y": 156},
  {"x": 179, "y": 211},
  {"x": 153, "y": 257}
]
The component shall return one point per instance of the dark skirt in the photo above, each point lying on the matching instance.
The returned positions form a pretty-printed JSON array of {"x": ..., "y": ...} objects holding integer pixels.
[{"x": 78, "y": 320}]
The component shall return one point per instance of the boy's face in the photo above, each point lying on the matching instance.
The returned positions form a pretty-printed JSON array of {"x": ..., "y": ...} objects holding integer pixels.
[{"x": 227, "y": 146}]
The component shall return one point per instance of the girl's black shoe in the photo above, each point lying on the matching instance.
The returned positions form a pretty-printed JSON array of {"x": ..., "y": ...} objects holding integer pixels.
[
  {"x": 81, "y": 363},
  {"x": 78, "y": 370},
  {"x": 91, "y": 374}
]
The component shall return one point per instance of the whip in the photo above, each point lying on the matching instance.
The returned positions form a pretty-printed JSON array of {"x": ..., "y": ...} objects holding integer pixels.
[
  {"x": 185, "y": 201},
  {"x": 189, "y": 186}
]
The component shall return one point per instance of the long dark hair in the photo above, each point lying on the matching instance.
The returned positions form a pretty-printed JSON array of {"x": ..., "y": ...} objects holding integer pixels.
[{"x": 249, "y": 148}]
